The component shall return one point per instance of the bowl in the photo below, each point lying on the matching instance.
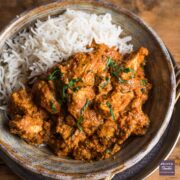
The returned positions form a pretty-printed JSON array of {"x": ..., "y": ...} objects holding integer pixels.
[{"x": 39, "y": 161}]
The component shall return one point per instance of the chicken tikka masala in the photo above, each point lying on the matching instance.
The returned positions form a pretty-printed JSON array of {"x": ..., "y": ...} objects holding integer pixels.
[{"x": 86, "y": 107}]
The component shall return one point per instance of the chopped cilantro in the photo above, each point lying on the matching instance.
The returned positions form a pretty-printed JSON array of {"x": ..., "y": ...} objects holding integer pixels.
[
  {"x": 111, "y": 110},
  {"x": 76, "y": 88},
  {"x": 117, "y": 76},
  {"x": 107, "y": 151},
  {"x": 121, "y": 80},
  {"x": 58, "y": 100},
  {"x": 118, "y": 70},
  {"x": 127, "y": 70},
  {"x": 52, "y": 106},
  {"x": 71, "y": 84},
  {"x": 144, "y": 82},
  {"x": 80, "y": 119},
  {"x": 110, "y": 63},
  {"x": 55, "y": 74},
  {"x": 116, "y": 73},
  {"x": 72, "y": 81},
  {"x": 105, "y": 83},
  {"x": 64, "y": 91},
  {"x": 85, "y": 106}
]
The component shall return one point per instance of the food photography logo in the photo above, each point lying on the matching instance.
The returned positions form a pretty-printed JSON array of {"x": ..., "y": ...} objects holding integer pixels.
[{"x": 167, "y": 168}]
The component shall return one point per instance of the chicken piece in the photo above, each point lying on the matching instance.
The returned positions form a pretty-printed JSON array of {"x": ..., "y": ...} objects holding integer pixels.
[
  {"x": 103, "y": 83},
  {"x": 91, "y": 149},
  {"x": 136, "y": 59},
  {"x": 75, "y": 139},
  {"x": 126, "y": 124},
  {"x": 107, "y": 130},
  {"x": 142, "y": 119},
  {"x": 82, "y": 153},
  {"x": 117, "y": 102},
  {"x": 80, "y": 67},
  {"x": 134, "y": 62},
  {"x": 142, "y": 123},
  {"x": 58, "y": 146},
  {"x": 79, "y": 99},
  {"x": 45, "y": 97},
  {"x": 91, "y": 122},
  {"x": 63, "y": 129},
  {"x": 64, "y": 148},
  {"x": 70, "y": 120},
  {"x": 32, "y": 129},
  {"x": 21, "y": 103}
]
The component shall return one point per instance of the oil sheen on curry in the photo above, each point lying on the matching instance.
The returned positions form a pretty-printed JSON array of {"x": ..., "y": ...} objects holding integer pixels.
[{"x": 84, "y": 108}]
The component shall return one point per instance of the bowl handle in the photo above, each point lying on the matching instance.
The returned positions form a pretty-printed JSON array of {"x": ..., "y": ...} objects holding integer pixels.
[{"x": 177, "y": 74}]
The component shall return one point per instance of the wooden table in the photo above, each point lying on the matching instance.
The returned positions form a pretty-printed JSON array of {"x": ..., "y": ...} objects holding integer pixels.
[{"x": 162, "y": 15}]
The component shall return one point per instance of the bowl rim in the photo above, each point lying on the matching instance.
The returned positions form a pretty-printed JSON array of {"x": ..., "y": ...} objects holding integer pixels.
[{"x": 112, "y": 171}]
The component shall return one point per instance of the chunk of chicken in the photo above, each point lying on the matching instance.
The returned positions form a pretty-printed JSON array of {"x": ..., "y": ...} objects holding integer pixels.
[
  {"x": 64, "y": 148},
  {"x": 103, "y": 83},
  {"x": 78, "y": 100},
  {"x": 32, "y": 129},
  {"x": 91, "y": 122},
  {"x": 117, "y": 101},
  {"x": 126, "y": 125},
  {"x": 141, "y": 118},
  {"x": 64, "y": 130},
  {"x": 21, "y": 103},
  {"x": 134, "y": 62},
  {"x": 107, "y": 130},
  {"x": 45, "y": 97}
]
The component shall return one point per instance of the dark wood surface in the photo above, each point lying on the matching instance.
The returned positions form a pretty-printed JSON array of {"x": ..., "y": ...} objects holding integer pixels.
[{"x": 162, "y": 15}]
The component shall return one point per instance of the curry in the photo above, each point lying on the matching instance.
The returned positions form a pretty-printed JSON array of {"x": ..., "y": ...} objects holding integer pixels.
[{"x": 86, "y": 107}]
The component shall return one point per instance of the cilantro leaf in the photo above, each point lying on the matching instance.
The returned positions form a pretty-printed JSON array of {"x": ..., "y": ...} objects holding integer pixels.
[
  {"x": 144, "y": 82},
  {"x": 111, "y": 110},
  {"x": 52, "y": 106},
  {"x": 80, "y": 119},
  {"x": 55, "y": 74}
]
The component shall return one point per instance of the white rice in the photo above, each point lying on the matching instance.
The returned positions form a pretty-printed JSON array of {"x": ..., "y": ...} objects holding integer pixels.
[{"x": 36, "y": 49}]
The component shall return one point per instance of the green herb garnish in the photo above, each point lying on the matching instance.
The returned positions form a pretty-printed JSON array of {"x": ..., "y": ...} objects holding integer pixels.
[
  {"x": 71, "y": 84},
  {"x": 76, "y": 88},
  {"x": 111, "y": 110},
  {"x": 58, "y": 100},
  {"x": 121, "y": 80},
  {"x": 127, "y": 70},
  {"x": 80, "y": 119},
  {"x": 64, "y": 91},
  {"x": 105, "y": 83},
  {"x": 110, "y": 63},
  {"x": 72, "y": 81},
  {"x": 85, "y": 106},
  {"x": 52, "y": 106},
  {"x": 132, "y": 76},
  {"x": 55, "y": 74},
  {"x": 144, "y": 82},
  {"x": 116, "y": 74},
  {"x": 107, "y": 151},
  {"x": 117, "y": 69}
]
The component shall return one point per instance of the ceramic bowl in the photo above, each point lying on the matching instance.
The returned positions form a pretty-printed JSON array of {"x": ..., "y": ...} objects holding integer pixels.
[{"x": 40, "y": 162}]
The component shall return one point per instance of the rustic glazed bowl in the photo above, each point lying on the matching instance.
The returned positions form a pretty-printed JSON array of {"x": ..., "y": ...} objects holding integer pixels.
[{"x": 40, "y": 161}]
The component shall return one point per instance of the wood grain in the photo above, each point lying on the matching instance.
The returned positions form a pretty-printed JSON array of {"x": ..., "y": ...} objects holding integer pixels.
[{"x": 162, "y": 16}]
